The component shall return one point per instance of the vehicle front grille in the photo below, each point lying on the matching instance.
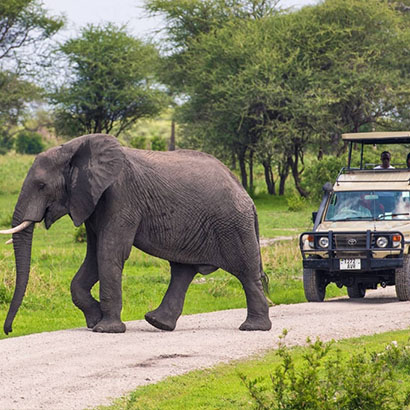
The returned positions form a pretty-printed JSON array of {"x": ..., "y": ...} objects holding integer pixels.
[
  {"x": 349, "y": 241},
  {"x": 347, "y": 245}
]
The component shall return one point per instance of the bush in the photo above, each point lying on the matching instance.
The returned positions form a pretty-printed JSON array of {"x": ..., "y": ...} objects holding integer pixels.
[
  {"x": 295, "y": 202},
  {"x": 320, "y": 172},
  {"x": 158, "y": 143},
  {"x": 361, "y": 381},
  {"x": 29, "y": 143},
  {"x": 80, "y": 234},
  {"x": 6, "y": 143},
  {"x": 139, "y": 142}
]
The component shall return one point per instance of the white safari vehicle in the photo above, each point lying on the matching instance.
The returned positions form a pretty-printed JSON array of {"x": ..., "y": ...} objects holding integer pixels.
[{"x": 361, "y": 232}]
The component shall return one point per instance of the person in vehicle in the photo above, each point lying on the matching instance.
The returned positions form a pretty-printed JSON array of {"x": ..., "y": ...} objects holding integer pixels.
[
  {"x": 408, "y": 160},
  {"x": 385, "y": 159}
]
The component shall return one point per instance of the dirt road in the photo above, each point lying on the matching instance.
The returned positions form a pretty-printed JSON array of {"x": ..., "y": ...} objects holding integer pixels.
[{"x": 74, "y": 369}]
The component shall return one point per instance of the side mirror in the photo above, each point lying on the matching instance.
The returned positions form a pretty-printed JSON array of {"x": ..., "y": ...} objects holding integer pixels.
[{"x": 314, "y": 215}]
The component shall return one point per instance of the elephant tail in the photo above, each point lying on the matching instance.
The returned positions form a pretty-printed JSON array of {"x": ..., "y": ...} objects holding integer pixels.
[{"x": 264, "y": 276}]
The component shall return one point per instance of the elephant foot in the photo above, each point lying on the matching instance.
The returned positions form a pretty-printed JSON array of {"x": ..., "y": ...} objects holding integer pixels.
[
  {"x": 256, "y": 324},
  {"x": 160, "y": 322},
  {"x": 93, "y": 316},
  {"x": 109, "y": 326}
]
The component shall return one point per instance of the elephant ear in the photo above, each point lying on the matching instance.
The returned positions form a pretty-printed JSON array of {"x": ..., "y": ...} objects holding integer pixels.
[{"x": 96, "y": 162}]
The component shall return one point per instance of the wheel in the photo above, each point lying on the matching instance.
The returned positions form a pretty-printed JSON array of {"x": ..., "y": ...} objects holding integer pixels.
[
  {"x": 403, "y": 280},
  {"x": 314, "y": 285},
  {"x": 357, "y": 291}
]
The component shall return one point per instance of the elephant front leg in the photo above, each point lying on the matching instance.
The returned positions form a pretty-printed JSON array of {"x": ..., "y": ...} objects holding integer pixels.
[
  {"x": 83, "y": 281},
  {"x": 166, "y": 315},
  {"x": 110, "y": 275},
  {"x": 112, "y": 251},
  {"x": 81, "y": 286}
]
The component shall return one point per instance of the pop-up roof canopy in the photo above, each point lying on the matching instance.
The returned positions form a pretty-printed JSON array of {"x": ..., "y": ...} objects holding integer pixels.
[{"x": 396, "y": 137}]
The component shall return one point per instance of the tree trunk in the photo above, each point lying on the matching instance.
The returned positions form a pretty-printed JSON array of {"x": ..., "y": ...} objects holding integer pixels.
[
  {"x": 242, "y": 166},
  {"x": 283, "y": 170},
  {"x": 296, "y": 176},
  {"x": 251, "y": 187},
  {"x": 270, "y": 182},
  {"x": 171, "y": 146}
]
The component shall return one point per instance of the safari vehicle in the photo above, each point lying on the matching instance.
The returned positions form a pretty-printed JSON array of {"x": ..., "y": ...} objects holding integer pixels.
[{"x": 361, "y": 233}]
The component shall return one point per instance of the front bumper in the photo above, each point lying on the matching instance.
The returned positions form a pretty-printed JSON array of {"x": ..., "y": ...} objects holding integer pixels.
[{"x": 371, "y": 257}]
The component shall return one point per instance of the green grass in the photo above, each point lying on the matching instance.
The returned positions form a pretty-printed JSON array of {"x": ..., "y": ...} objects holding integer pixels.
[
  {"x": 275, "y": 219},
  {"x": 221, "y": 387}
]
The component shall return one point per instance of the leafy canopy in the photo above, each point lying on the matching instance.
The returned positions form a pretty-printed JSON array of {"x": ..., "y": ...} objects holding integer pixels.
[{"x": 110, "y": 82}]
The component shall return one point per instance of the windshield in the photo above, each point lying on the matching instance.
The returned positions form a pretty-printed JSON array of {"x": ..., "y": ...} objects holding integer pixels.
[{"x": 368, "y": 205}]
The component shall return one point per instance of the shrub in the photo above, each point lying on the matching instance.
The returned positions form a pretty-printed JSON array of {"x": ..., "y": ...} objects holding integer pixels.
[
  {"x": 139, "y": 142},
  {"x": 28, "y": 142},
  {"x": 80, "y": 234},
  {"x": 6, "y": 142},
  {"x": 320, "y": 172},
  {"x": 158, "y": 143},
  {"x": 295, "y": 202},
  {"x": 361, "y": 381}
]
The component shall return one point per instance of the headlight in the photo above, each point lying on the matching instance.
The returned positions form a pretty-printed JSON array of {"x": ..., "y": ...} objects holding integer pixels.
[
  {"x": 382, "y": 241},
  {"x": 323, "y": 242}
]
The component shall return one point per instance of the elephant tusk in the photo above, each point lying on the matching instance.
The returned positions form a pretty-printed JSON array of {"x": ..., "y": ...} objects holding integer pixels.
[
  {"x": 16, "y": 229},
  {"x": 10, "y": 241}
]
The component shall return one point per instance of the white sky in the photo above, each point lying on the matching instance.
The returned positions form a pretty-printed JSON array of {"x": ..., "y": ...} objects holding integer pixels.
[{"x": 130, "y": 12}]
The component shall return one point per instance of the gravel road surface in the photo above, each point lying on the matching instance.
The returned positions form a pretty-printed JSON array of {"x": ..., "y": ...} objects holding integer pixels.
[{"x": 76, "y": 369}]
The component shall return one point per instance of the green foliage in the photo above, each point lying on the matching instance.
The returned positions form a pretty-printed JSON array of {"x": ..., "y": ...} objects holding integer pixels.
[
  {"x": 361, "y": 381},
  {"x": 320, "y": 172},
  {"x": 24, "y": 23},
  {"x": 295, "y": 202},
  {"x": 28, "y": 142},
  {"x": 314, "y": 74},
  {"x": 158, "y": 143},
  {"x": 110, "y": 83},
  {"x": 6, "y": 142},
  {"x": 15, "y": 93},
  {"x": 80, "y": 234},
  {"x": 140, "y": 142}
]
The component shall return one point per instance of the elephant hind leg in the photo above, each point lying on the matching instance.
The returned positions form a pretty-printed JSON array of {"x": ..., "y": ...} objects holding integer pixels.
[
  {"x": 258, "y": 309},
  {"x": 166, "y": 315}
]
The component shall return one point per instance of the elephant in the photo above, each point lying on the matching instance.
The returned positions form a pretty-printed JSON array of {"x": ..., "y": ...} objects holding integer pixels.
[{"x": 182, "y": 206}]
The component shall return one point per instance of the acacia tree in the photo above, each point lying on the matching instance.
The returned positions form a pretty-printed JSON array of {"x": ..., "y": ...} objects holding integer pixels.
[
  {"x": 283, "y": 83},
  {"x": 109, "y": 85},
  {"x": 192, "y": 27}
]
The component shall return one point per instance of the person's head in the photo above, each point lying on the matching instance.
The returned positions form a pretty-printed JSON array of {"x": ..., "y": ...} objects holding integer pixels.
[
  {"x": 408, "y": 160},
  {"x": 385, "y": 159}
]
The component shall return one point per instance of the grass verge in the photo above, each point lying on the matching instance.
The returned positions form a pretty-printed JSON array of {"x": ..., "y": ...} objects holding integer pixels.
[{"x": 223, "y": 385}]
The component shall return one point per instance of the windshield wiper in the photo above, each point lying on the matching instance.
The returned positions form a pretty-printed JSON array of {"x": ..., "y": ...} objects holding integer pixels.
[
  {"x": 353, "y": 218},
  {"x": 383, "y": 216}
]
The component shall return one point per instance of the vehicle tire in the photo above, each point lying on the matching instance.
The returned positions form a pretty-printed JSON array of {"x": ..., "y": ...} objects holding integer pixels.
[
  {"x": 314, "y": 285},
  {"x": 357, "y": 291},
  {"x": 403, "y": 280}
]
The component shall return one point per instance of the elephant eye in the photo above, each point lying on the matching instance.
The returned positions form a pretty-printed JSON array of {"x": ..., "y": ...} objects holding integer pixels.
[{"x": 41, "y": 186}]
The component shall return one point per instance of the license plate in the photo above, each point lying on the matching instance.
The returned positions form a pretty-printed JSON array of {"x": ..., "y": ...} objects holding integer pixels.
[{"x": 349, "y": 264}]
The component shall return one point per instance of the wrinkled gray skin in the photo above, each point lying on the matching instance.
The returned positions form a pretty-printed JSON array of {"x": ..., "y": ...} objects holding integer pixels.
[{"x": 183, "y": 206}]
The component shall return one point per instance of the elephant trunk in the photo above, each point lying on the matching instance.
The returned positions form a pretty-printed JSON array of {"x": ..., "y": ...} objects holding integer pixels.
[{"x": 22, "y": 252}]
